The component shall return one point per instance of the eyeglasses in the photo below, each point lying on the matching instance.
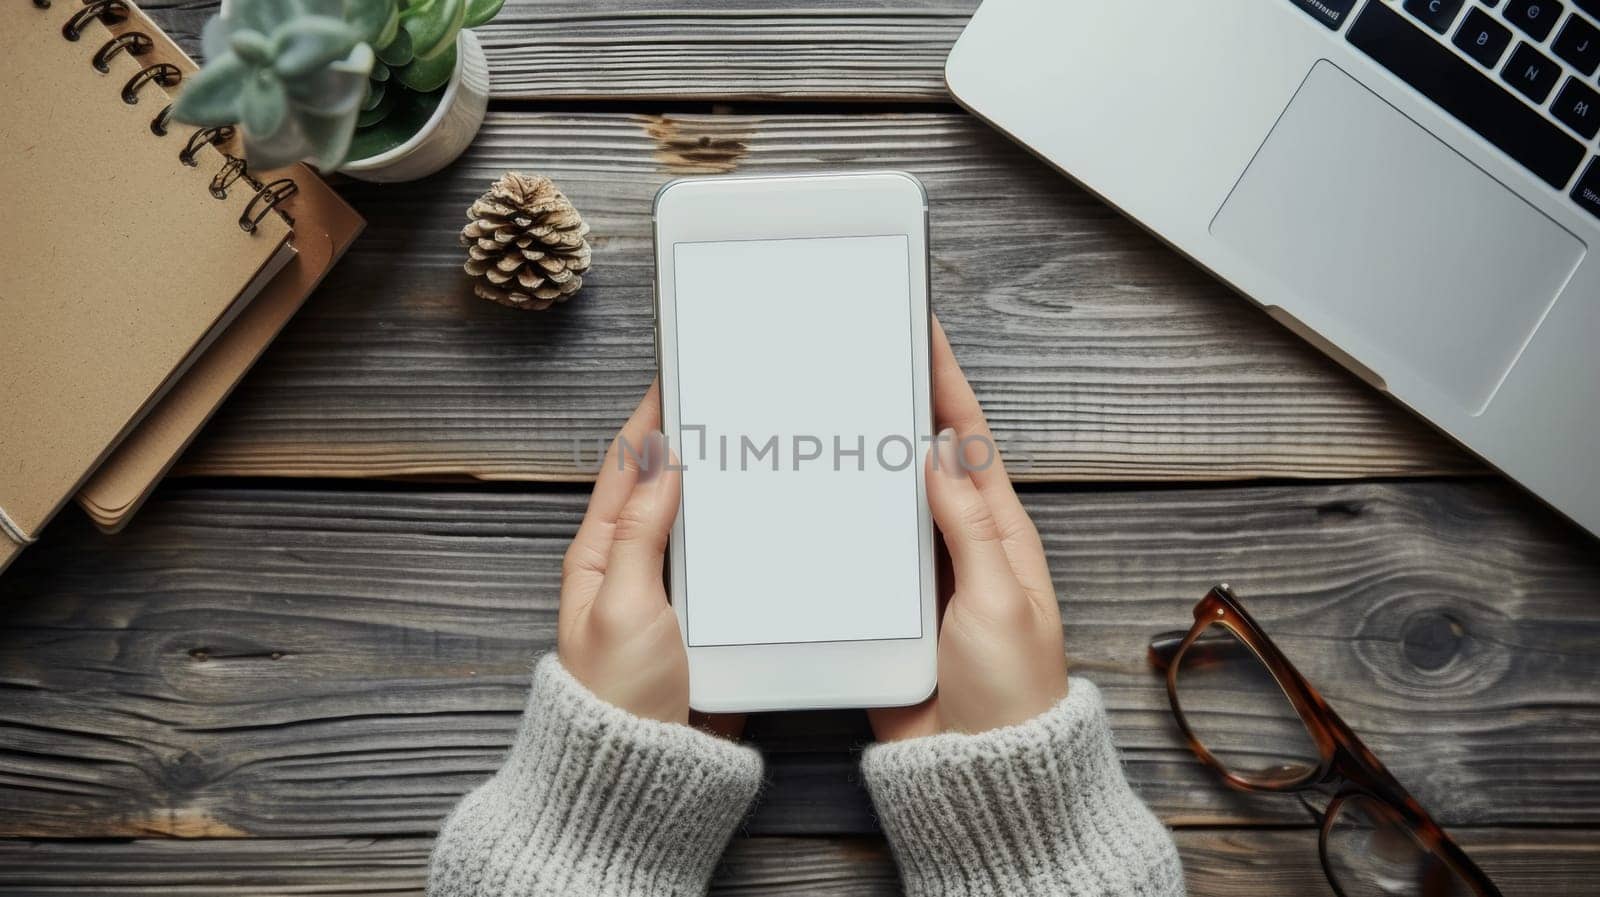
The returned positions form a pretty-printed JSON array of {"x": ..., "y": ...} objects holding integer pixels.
[{"x": 1249, "y": 714}]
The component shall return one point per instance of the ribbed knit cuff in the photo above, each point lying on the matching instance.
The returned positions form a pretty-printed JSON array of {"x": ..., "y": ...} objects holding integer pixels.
[
  {"x": 1037, "y": 808},
  {"x": 593, "y": 800}
]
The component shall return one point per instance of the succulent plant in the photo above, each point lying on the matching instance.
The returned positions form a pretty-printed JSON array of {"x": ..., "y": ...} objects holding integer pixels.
[
  {"x": 291, "y": 73},
  {"x": 415, "y": 61},
  {"x": 326, "y": 80}
]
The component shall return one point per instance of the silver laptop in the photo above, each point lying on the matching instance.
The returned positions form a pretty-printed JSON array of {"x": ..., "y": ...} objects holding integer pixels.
[{"x": 1413, "y": 186}]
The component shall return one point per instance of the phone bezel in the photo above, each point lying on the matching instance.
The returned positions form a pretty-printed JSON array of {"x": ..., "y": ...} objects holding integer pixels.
[{"x": 811, "y": 675}]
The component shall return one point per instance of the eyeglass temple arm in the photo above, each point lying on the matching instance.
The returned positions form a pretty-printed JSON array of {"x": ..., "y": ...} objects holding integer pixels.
[
  {"x": 1210, "y": 647},
  {"x": 1164, "y": 648}
]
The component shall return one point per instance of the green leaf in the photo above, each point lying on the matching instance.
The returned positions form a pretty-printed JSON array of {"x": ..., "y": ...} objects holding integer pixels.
[
  {"x": 333, "y": 9},
  {"x": 410, "y": 9},
  {"x": 262, "y": 15},
  {"x": 311, "y": 43},
  {"x": 380, "y": 72},
  {"x": 287, "y": 146},
  {"x": 398, "y": 51},
  {"x": 337, "y": 88},
  {"x": 250, "y": 45},
  {"x": 330, "y": 135},
  {"x": 481, "y": 11},
  {"x": 379, "y": 111},
  {"x": 263, "y": 106},
  {"x": 411, "y": 111},
  {"x": 210, "y": 97},
  {"x": 214, "y": 38},
  {"x": 426, "y": 75},
  {"x": 433, "y": 25},
  {"x": 375, "y": 94},
  {"x": 391, "y": 27},
  {"x": 370, "y": 17}
]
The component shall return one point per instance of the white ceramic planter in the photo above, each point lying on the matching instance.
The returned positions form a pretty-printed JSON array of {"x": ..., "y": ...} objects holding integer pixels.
[{"x": 448, "y": 132}]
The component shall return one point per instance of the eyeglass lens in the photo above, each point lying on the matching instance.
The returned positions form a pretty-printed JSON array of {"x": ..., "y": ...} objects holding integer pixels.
[
  {"x": 1370, "y": 852},
  {"x": 1238, "y": 712}
]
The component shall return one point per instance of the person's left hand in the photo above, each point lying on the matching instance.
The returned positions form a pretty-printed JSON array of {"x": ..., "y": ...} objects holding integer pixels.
[
  {"x": 616, "y": 632},
  {"x": 1001, "y": 656}
]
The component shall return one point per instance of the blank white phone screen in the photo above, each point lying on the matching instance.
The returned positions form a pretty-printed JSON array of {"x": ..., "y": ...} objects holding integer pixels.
[{"x": 800, "y": 514}]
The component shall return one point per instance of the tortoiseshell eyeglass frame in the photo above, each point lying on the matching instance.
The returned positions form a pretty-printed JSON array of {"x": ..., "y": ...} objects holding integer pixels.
[{"x": 1345, "y": 762}]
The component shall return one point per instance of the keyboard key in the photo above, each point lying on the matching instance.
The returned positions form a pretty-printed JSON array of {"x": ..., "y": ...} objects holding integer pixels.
[
  {"x": 1435, "y": 71},
  {"x": 1531, "y": 73},
  {"x": 1592, "y": 7},
  {"x": 1536, "y": 17},
  {"x": 1579, "y": 44},
  {"x": 1482, "y": 38},
  {"x": 1578, "y": 107},
  {"x": 1328, "y": 12},
  {"x": 1436, "y": 14},
  {"x": 1587, "y": 191}
]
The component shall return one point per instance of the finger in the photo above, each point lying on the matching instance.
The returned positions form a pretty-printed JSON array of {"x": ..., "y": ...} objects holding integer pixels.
[
  {"x": 639, "y": 538},
  {"x": 983, "y": 573},
  {"x": 944, "y": 576},
  {"x": 585, "y": 563},
  {"x": 956, "y": 407},
  {"x": 724, "y": 725},
  {"x": 903, "y": 723},
  {"x": 623, "y": 458}
]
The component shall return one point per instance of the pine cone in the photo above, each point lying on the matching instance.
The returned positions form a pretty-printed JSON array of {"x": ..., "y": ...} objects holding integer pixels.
[{"x": 525, "y": 243}]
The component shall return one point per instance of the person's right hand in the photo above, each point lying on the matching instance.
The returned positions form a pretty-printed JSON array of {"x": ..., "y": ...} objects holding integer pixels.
[{"x": 1002, "y": 660}]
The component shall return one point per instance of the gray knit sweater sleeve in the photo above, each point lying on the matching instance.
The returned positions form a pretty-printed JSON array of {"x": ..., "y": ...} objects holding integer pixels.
[
  {"x": 1040, "y": 808},
  {"x": 595, "y": 801}
]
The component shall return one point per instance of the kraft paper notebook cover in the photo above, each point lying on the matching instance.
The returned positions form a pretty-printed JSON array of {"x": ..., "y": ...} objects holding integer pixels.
[
  {"x": 324, "y": 227},
  {"x": 120, "y": 264}
]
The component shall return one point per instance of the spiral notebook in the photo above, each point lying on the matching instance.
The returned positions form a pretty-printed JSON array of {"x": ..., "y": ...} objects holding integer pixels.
[
  {"x": 324, "y": 227},
  {"x": 129, "y": 242}
]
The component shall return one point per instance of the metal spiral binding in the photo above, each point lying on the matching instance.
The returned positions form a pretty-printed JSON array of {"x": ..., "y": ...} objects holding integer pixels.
[
  {"x": 104, "y": 10},
  {"x": 158, "y": 125},
  {"x": 163, "y": 73},
  {"x": 233, "y": 170},
  {"x": 136, "y": 43},
  {"x": 201, "y": 138},
  {"x": 267, "y": 197}
]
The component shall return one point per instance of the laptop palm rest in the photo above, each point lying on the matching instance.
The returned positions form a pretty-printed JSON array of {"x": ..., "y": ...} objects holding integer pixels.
[{"x": 1430, "y": 264}]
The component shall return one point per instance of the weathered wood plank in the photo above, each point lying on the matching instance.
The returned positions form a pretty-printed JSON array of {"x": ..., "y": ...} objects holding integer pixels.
[
  {"x": 1099, "y": 354},
  {"x": 310, "y": 663},
  {"x": 837, "y": 50},
  {"x": 1226, "y": 863}
]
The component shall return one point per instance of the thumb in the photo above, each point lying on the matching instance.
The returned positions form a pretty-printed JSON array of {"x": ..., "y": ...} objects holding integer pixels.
[{"x": 639, "y": 541}]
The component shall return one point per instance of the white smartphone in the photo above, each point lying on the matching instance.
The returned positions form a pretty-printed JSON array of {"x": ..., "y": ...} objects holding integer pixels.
[{"x": 792, "y": 334}]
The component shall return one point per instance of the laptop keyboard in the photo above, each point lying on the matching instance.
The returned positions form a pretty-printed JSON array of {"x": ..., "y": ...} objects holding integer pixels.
[{"x": 1518, "y": 72}]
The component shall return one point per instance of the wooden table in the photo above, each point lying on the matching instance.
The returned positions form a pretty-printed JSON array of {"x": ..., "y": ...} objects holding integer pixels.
[{"x": 318, "y": 636}]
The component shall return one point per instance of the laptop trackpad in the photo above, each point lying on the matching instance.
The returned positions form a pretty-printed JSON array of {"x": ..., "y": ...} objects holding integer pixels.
[{"x": 1432, "y": 265}]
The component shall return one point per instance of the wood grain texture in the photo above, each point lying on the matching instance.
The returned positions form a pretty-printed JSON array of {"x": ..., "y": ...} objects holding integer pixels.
[
  {"x": 332, "y": 663},
  {"x": 834, "y": 50},
  {"x": 1098, "y": 353},
  {"x": 250, "y": 669},
  {"x": 1225, "y": 863}
]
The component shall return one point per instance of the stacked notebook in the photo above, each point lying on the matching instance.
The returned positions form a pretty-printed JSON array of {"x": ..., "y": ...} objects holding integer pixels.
[{"x": 143, "y": 266}]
